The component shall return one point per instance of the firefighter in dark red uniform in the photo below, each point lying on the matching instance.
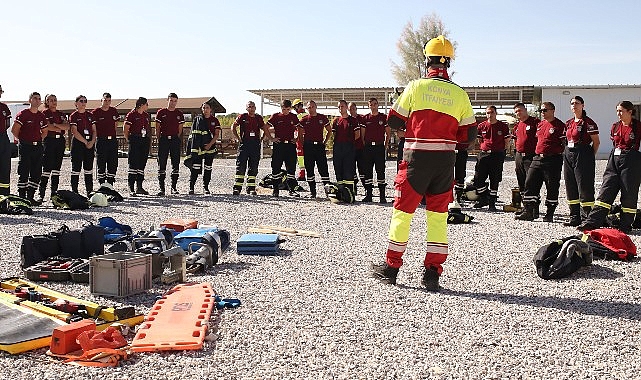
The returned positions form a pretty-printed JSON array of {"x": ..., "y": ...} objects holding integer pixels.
[
  {"x": 622, "y": 172},
  {"x": 299, "y": 110},
  {"x": 493, "y": 134},
  {"x": 54, "y": 144},
  {"x": 169, "y": 130},
  {"x": 546, "y": 166},
  {"x": 436, "y": 114},
  {"x": 376, "y": 136},
  {"x": 5, "y": 148},
  {"x": 83, "y": 130},
  {"x": 312, "y": 128},
  {"x": 347, "y": 132},
  {"x": 285, "y": 124},
  {"x": 524, "y": 135},
  {"x": 105, "y": 118},
  {"x": 249, "y": 139},
  {"x": 578, "y": 162},
  {"x": 137, "y": 131},
  {"x": 28, "y": 129},
  {"x": 359, "y": 149}
]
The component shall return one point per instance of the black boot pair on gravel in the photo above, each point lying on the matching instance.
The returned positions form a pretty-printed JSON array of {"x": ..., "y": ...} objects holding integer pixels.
[{"x": 387, "y": 275}]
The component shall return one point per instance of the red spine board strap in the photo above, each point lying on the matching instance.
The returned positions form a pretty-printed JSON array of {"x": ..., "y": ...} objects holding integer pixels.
[{"x": 177, "y": 321}]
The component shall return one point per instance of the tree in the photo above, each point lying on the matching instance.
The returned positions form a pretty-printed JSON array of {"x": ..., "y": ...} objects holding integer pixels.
[{"x": 410, "y": 48}]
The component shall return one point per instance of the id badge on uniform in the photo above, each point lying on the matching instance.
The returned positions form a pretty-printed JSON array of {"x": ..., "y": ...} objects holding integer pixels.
[
  {"x": 252, "y": 134},
  {"x": 617, "y": 151},
  {"x": 86, "y": 131},
  {"x": 570, "y": 144},
  {"x": 143, "y": 133}
]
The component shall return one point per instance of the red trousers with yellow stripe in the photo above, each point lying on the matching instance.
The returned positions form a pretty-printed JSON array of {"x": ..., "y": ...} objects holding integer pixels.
[{"x": 422, "y": 174}]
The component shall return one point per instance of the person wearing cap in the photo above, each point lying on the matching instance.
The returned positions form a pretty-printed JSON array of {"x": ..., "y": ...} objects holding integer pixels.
[
  {"x": 297, "y": 106},
  {"x": 524, "y": 135},
  {"x": 376, "y": 137},
  {"x": 28, "y": 127},
  {"x": 579, "y": 163},
  {"x": 312, "y": 128},
  {"x": 5, "y": 148},
  {"x": 284, "y": 124},
  {"x": 205, "y": 131},
  {"x": 493, "y": 135},
  {"x": 546, "y": 166},
  {"x": 347, "y": 132},
  {"x": 169, "y": 130},
  {"x": 83, "y": 129},
  {"x": 436, "y": 114},
  {"x": 247, "y": 131},
  {"x": 621, "y": 172},
  {"x": 105, "y": 118},
  {"x": 54, "y": 144},
  {"x": 137, "y": 131}
]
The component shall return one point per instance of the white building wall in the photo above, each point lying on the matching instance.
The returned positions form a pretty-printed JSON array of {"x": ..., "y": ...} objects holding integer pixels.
[{"x": 600, "y": 105}]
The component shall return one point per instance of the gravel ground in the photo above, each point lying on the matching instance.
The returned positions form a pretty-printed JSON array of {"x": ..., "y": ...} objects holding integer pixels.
[{"x": 313, "y": 311}]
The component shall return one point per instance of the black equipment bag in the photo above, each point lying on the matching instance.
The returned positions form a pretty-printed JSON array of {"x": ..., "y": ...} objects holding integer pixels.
[
  {"x": 37, "y": 248},
  {"x": 77, "y": 244},
  {"x": 14, "y": 205},
  {"x": 68, "y": 200},
  {"x": 562, "y": 257}
]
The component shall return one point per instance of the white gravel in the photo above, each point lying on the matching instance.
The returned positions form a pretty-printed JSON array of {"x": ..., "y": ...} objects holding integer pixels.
[{"x": 313, "y": 311}]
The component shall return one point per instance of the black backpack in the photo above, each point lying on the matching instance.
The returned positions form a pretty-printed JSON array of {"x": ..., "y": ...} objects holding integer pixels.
[
  {"x": 562, "y": 257},
  {"x": 68, "y": 200}
]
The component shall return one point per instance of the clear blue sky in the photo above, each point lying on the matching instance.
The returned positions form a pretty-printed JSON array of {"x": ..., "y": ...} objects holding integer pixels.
[{"x": 223, "y": 48}]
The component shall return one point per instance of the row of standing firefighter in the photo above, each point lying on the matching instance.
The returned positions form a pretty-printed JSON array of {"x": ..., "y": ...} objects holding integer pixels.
[
  {"x": 437, "y": 117},
  {"x": 359, "y": 140}
]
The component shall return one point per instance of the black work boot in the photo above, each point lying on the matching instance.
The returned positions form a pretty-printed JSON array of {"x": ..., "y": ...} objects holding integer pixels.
[
  {"x": 368, "y": 194},
  {"x": 430, "y": 279},
  {"x": 575, "y": 216},
  {"x": 535, "y": 210},
  {"x": 625, "y": 225},
  {"x": 161, "y": 186},
  {"x": 549, "y": 213},
  {"x": 484, "y": 200},
  {"x": 381, "y": 191},
  {"x": 527, "y": 213},
  {"x": 384, "y": 273},
  {"x": 492, "y": 203}
]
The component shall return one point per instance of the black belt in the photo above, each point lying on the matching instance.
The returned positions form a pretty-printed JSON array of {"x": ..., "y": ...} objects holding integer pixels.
[
  {"x": 548, "y": 155},
  {"x": 373, "y": 143},
  {"x": 31, "y": 142},
  {"x": 314, "y": 142},
  {"x": 106, "y": 137},
  {"x": 56, "y": 136},
  {"x": 286, "y": 142},
  {"x": 169, "y": 137},
  {"x": 526, "y": 154}
]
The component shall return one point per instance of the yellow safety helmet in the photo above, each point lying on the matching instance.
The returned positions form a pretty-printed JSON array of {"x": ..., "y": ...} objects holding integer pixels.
[
  {"x": 439, "y": 47},
  {"x": 296, "y": 102}
]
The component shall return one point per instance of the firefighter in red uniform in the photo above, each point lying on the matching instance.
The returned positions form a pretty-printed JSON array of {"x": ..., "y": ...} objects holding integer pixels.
[
  {"x": 5, "y": 148},
  {"x": 169, "y": 130},
  {"x": 311, "y": 130},
  {"x": 436, "y": 114},
  {"x": 579, "y": 162},
  {"x": 54, "y": 145},
  {"x": 546, "y": 166},
  {"x": 622, "y": 172},
  {"x": 297, "y": 106},
  {"x": 249, "y": 139},
  {"x": 28, "y": 128},
  {"x": 106, "y": 117},
  {"x": 493, "y": 135},
  {"x": 83, "y": 130},
  {"x": 524, "y": 135},
  {"x": 137, "y": 131},
  {"x": 347, "y": 132},
  {"x": 285, "y": 124},
  {"x": 359, "y": 150},
  {"x": 376, "y": 136}
]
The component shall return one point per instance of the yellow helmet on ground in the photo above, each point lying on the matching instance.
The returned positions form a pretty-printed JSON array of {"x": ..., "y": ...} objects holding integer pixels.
[{"x": 439, "y": 47}]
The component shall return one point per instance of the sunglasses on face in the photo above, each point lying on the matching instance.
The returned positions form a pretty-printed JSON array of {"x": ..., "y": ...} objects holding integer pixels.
[
  {"x": 82, "y": 101},
  {"x": 544, "y": 110}
]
